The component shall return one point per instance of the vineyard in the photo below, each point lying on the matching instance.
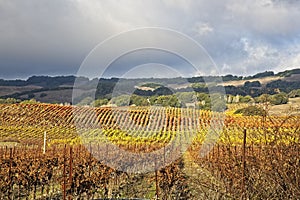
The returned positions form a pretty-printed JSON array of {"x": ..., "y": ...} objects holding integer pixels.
[{"x": 146, "y": 152}]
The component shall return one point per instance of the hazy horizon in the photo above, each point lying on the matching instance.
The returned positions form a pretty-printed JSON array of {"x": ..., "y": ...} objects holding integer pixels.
[{"x": 129, "y": 77}]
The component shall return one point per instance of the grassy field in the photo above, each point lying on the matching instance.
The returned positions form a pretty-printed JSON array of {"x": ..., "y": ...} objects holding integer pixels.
[
  {"x": 293, "y": 108},
  {"x": 8, "y": 90}
]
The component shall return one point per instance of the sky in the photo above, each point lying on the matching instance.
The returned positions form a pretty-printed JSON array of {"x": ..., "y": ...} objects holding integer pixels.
[{"x": 53, "y": 37}]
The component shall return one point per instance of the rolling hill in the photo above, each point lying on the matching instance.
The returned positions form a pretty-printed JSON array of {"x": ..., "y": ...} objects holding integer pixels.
[{"x": 59, "y": 89}]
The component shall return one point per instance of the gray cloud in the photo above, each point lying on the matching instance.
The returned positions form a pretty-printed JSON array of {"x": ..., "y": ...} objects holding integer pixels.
[{"x": 53, "y": 37}]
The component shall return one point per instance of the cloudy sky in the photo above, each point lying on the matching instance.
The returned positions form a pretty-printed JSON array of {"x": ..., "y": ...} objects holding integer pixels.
[{"x": 53, "y": 37}]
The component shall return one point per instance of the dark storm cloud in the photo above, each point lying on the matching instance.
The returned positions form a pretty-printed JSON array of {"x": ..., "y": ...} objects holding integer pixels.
[{"x": 53, "y": 37}]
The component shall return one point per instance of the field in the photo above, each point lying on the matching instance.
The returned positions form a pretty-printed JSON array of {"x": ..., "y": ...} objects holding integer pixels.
[
  {"x": 293, "y": 107},
  {"x": 146, "y": 152},
  {"x": 263, "y": 80},
  {"x": 8, "y": 90}
]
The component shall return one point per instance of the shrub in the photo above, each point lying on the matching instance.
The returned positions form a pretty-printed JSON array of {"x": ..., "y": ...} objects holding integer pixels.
[
  {"x": 251, "y": 111},
  {"x": 278, "y": 99}
]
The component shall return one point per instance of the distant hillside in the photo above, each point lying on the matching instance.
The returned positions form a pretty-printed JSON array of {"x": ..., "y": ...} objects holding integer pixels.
[
  {"x": 288, "y": 73},
  {"x": 262, "y": 80},
  {"x": 59, "y": 89},
  {"x": 42, "y": 81}
]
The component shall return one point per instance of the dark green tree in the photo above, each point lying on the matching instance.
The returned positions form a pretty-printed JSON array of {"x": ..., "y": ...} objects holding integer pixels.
[
  {"x": 251, "y": 111},
  {"x": 100, "y": 102},
  {"x": 278, "y": 99}
]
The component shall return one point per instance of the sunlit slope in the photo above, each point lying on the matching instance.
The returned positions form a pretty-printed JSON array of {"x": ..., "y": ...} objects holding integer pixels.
[{"x": 28, "y": 122}]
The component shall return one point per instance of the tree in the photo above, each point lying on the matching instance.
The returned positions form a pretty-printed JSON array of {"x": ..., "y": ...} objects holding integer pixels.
[
  {"x": 31, "y": 101},
  {"x": 278, "y": 99},
  {"x": 252, "y": 84},
  {"x": 218, "y": 102},
  {"x": 204, "y": 101},
  {"x": 294, "y": 93},
  {"x": 9, "y": 101},
  {"x": 186, "y": 97},
  {"x": 199, "y": 85},
  {"x": 122, "y": 100},
  {"x": 251, "y": 111},
  {"x": 163, "y": 91},
  {"x": 138, "y": 100},
  {"x": 263, "y": 98},
  {"x": 168, "y": 100},
  {"x": 85, "y": 101},
  {"x": 100, "y": 102},
  {"x": 245, "y": 99}
]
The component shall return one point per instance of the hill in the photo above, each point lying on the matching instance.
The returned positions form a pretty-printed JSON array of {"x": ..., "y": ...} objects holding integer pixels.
[{"x": 59, "y": 89}]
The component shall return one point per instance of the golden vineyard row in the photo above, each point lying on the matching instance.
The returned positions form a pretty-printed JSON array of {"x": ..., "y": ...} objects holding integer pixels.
[{"x": 29, "y": 121}]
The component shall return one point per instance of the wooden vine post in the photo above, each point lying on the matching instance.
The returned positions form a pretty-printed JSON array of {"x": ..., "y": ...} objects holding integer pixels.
[
  {"x": 64, "y": 175},
  {"x": 156, "y": 181},
  {"x": 9, "y": 173},
  {"x": 70, "y": 173},
  {"x": 244, "y": 162},
  {"x": 45, "y": 141},
  {"x": 156, "y": 184}
]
